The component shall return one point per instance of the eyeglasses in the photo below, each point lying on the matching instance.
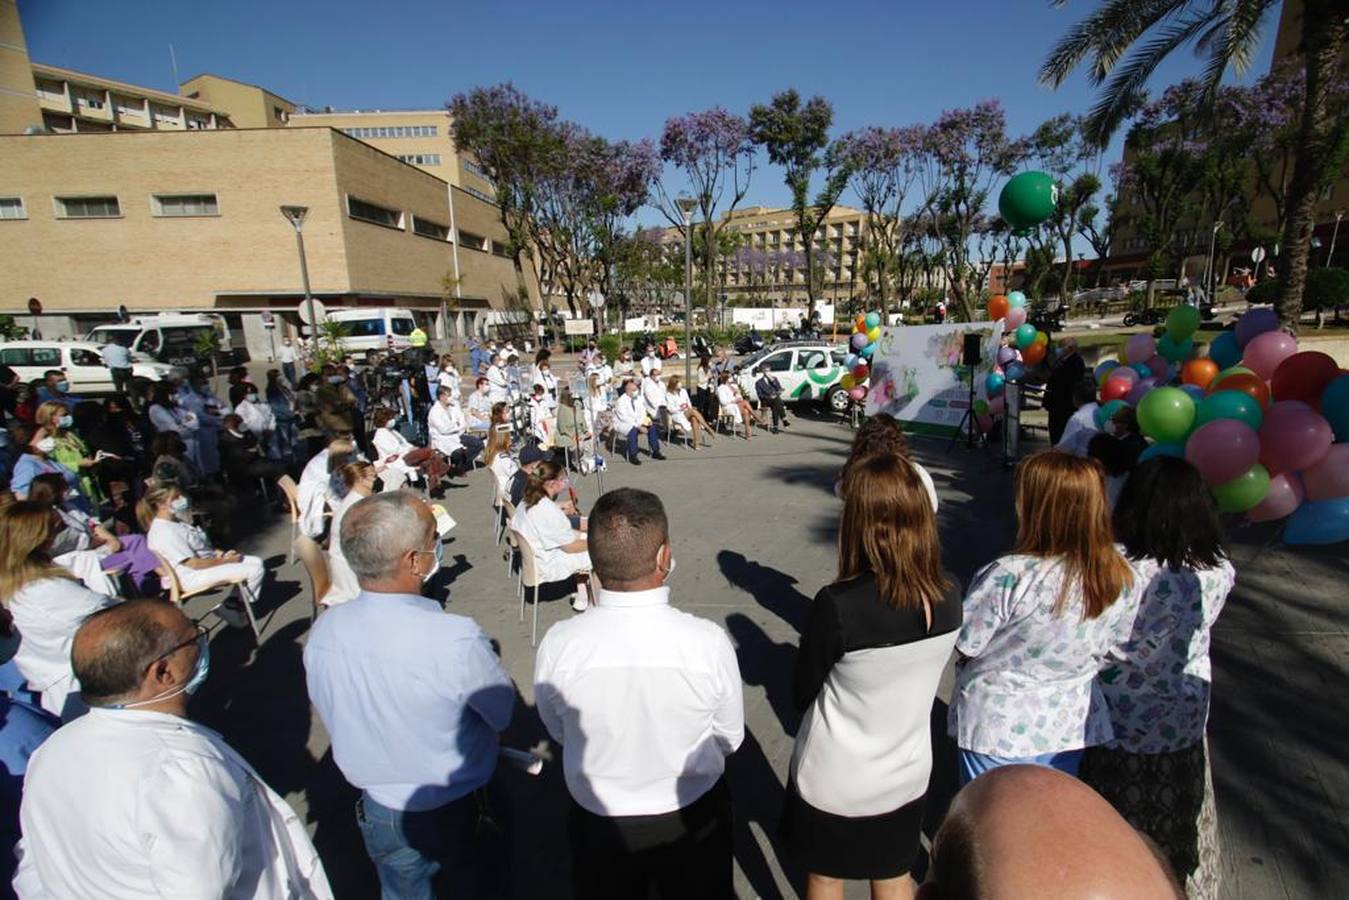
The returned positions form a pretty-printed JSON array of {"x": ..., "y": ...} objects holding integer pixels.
[{"x": 201, "y": 632}]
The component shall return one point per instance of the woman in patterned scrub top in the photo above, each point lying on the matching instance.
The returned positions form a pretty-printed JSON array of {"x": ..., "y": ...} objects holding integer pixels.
[
  {"x": 1156, "y": 685},
  {"x": 1038, "y": 624}
]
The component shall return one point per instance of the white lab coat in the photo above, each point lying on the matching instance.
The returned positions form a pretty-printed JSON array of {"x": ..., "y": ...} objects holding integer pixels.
[
  {"x": 498, "y": 384},
  {"x": 47, "y": 613},
  {"x": 445, "y": 425},
  {"x": 728, "y": 397},
  {"x": 504, "y": 468},
  {"x": 548, "y": 530},
  {"x": 653, "y": 395},
  {"x": 135, "y": 804},
  {"x": 629, "y": 413},
  {"x": 315, "y": 494},
  {"x": 675, "y": 402},
  {"x": 344, "y": 584},
  {"x": 449, "y": 378},
  {"x": 390, "y": 443},
  {"x": 542, "y": 420},
  {"x": 258, "y": 417},
  {"x": 650, "y": 362}
]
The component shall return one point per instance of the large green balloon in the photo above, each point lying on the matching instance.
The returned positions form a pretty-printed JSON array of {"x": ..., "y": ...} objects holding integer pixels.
[
  {"x": 1237, "y": 405},
  {"x": 1174, "y": 351},
  {"x": 1028, "y": 199},
  {"x": 1243, "y": 492},
  {"x": 1182, "y": 321},
  {"x": 1166, "y": 414}
]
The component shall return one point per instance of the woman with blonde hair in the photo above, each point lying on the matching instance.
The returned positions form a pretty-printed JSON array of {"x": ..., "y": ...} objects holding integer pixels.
[
  {"x": 357, "y": 478},
  {"x": 882, "y": 433},
  {"x": 71, "y": 450},
  {"x": 47, "y": 602},
  {"x": 499, "y": 457},
  {"x": 560, "y": 551},
  {"x": 1039, "y": 623},
  {"x": 683, "y": 414},
  {"x": 871, "y": 655}
]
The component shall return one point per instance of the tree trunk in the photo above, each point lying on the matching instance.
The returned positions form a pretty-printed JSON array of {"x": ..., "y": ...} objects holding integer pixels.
[{"x": 1323, "y": 34}]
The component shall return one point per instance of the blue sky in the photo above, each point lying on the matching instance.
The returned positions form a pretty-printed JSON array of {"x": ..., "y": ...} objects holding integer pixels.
[{"x": 620, "y": 68}]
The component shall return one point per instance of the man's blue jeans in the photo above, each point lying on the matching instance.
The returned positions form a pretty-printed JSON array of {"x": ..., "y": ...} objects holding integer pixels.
[
  {"x": 652, "y": 440},
  {"x": 419, "y": 854}
]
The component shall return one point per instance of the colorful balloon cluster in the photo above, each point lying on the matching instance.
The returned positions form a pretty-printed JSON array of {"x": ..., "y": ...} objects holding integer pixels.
[
  {"x": 866, "y": 332},
  {"x": 1032, "y": 343},
  {"x": 1266, "y": 425}
]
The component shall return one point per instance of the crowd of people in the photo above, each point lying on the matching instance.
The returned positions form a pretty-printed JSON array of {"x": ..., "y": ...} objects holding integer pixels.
[{"x": 1081, "y": 656}]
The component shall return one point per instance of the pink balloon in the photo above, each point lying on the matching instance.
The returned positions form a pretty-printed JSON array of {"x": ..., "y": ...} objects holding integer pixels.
[
  {"x": 1159, "y": 366},
  {"x": 1223, "y": 449},
  {"x": 998, "y": 405},
  {"x": 1016, "y": 317},
  {"x": 1293, "y": 437},
  {"x": 1140, "y": 348},
  {"x": 1265, "y": 351},
  {"x": 858, "y": 393},
  {"x": 1142, "y": 387},
  {"x": 985, "y": 423},
  {"x": 1328, "y": 479},
  {"x": 1285, "y": 495}
]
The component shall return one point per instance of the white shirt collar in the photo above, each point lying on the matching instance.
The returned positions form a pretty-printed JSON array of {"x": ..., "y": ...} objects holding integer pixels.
[{"x": 630, "y": 599}]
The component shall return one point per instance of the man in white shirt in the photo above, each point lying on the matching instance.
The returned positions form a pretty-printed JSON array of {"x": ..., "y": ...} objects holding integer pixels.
[
  {"x": 135, "y": 800},
  {"x": 646, "y": 702},
  {"x": 285, "y": 355},
  {"x": 498, "y": 382},
  {"x": 630, "y": 419},
  {"x": 480, "y": 406},
  {"x": 446, "y": 424},
  {"x": 650, "y": 360},
  {"x": 653, "y": 393},
  {"x": 118, "y": 360}
]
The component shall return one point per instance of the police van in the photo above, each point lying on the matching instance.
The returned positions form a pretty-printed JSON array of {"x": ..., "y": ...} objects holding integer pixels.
[{"x": 170, "y": 338}]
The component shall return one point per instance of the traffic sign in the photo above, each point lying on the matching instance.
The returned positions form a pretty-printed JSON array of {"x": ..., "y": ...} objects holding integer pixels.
[
  {"x": 268, "y": 320},
  {"x": 596, "y": 300},
  {"x": 320, "y": 312},
  {"x": 1258, "y": 255}
]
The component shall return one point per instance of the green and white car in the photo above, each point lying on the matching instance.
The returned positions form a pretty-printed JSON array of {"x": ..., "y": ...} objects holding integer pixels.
[{"x": 808, "y": 370}]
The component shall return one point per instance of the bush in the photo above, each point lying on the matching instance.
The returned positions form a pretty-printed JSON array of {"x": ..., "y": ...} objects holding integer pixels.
[
  {"x": 1326, "y": 289},
  {"x": 1263, "y": 293}
]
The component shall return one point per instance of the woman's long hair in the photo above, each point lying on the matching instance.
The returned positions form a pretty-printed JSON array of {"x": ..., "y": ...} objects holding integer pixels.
[
  {"x": 889, "y": 529},
  {"x": 48, "y": 416},
  {"x": 26, "y": 530},
  {"x": 1062, "y": 513},
  {"x": 534, "y": 489},
  {"x": 149, "y": 505},
  {"x": 1166, "y": 513},
  {"x": 879, "y": 434},
  {"x": 498, "y": 442}
]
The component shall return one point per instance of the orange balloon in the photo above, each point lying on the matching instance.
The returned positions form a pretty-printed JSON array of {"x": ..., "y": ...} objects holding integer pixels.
[
  {"x": 1199, "y": 372},
  {"x": 1247, "y": 384},
  {"x": 1034, "y": 354},
  {"x": 997, "y": 307},
  {"x": 860, "y": 323}
]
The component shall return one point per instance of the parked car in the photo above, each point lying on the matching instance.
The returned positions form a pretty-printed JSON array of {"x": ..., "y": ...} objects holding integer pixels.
[
  {"x": 81, "y": 362},
  {"x": 808, "y": 370}
]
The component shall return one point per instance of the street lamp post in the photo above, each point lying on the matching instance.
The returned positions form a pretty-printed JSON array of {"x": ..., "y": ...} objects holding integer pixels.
[
  {"x": 1330, "y": 254},
  {"x": 1209, "y": 274},
  {"x": 295, "y": 216},
  {"x": 686, "y": 205}
]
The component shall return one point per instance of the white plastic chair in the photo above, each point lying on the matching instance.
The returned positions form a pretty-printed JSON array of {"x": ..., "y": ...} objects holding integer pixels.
[{"x": 178, "y": 596}]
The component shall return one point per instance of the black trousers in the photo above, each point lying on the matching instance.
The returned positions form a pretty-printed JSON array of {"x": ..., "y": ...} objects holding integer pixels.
[
  {"x": 779, "y": 411},
  {"x": 683, "y": 854}
]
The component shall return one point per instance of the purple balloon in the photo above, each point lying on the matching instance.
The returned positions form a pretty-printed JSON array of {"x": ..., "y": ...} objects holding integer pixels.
[
  {"x": 860, "y": 340},
  {"x": 1140, "y": 348},
  {"x": 1158, "y": 365},
  {"x": 1293, "y": 436},
  {"x": 1140, "y": 389},
  {"x": 1255, "y": 322},
  {"x": 1005, "y": 355},
  {"x": 1223, "y": 449}
]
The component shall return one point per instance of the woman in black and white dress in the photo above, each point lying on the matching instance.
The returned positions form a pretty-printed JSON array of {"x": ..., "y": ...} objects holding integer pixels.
[{"x": 872, "y": 652}]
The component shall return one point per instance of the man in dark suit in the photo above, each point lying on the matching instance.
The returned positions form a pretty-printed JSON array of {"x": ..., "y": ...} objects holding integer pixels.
[
  {"x": 1066, "y": 372},
  {"x": 242, "y": 458},
  {"x": 769, "y": 390}
]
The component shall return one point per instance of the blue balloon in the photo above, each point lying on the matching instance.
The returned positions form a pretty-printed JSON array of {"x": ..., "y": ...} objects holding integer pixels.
[
  {"x": 850, "y": 361},
  {"x": 1016, "y": 300},
  {"x": 1143, "y": 370},
  {"x": 868, "y": 350},
  {"x": 1335, "y": 406},
  {"x": 1224, "y": 350},
  {"x": 1104, "y": 367},
  {"x": 1195, "y": 391},
  {"x": 1156, "y": 450},
  {"x": 1014, "y": 371},
  {"x": 873, "y": 319},
  {"x": 1318, "y": 522},
  {"x": 993, "y": 384}
]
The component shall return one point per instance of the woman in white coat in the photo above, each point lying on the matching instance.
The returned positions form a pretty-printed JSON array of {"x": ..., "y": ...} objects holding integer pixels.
[
  {"x": 315, "y": 494},
  {"x": 401, "y": 458},
  {"x": 500, "y": 459},
  {"x": 257, "y": 414},
  {"x": 47, "y": 603},
  {"x": 734, "y": 405},
  {"x": 683, "y": 414},
  {"x": 358, "y": 477},
  {"x": 560, "y": 551}
]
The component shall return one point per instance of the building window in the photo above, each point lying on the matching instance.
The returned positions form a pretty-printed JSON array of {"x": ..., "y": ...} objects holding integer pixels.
[
  {"x": 183, "y": 205},
  {"x": 500, "y": 249},
  {"x": 393, "y": 131},
  {"x": 427, "y": 228},
  {"x": 472, "y": 241},
  {"x": 163, "y": 115},
  {"x": 128, "y": 106},
  {"x": 88, "y": 208},
  {"x": 475, "y": 169},
  {"x": 420, "y": 159},
  {"x": 280, "y": 114},
  {"x": 370, "y": 212},
  {"x": 91, "y": 100},
  {"x": 481, "y": 195},
  {"x": 12, "y": 208},
  {"x": 197, "y": 124}
]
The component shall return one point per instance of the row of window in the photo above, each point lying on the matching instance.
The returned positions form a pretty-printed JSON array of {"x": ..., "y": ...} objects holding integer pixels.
[
  {"x": 365, "y": 211},
  {"x": 420, "y": 159},
  {"x": 110, "y": 206},
  {"x": 393, "y": 131},
  {"x": 481, "y": 195},
  {"x": 475, "y": 169}
]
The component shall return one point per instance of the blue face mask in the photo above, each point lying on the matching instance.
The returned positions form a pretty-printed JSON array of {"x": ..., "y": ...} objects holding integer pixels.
[
  {"x": 439, "y": 553},
  {"x": 180, "y": 505},
  {"x": 63, "y": 386},
  {"x": 67, "y": 421}
]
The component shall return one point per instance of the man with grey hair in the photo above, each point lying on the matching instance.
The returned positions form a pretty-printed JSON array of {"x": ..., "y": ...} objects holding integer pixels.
[
  {"x": 136, "y": 800},
  {"x": 413, "y": 699}
]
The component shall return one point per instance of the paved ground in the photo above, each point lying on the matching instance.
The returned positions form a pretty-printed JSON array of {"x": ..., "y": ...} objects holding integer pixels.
[{"x": 754, "y": 529}]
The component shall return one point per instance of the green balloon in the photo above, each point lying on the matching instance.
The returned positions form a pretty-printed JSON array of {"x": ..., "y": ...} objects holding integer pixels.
[
  {"x": 1174, "y": 351},
  {"x": 1028, "y": 199},
  {"x": 981, "y": 407},
  {"x": 1237, "y": 405},
  {"x": 1182, "y": 321},
  {"x": 1233, "y": 370},
  {"x": 1243, "y": 492},
  {"x": 1166, "y": 414}
]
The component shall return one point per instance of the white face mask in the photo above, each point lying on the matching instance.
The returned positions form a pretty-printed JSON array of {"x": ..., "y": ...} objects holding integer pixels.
[
  {"x": 668, "y": 572},
  {"x": 46, "y": 445}
]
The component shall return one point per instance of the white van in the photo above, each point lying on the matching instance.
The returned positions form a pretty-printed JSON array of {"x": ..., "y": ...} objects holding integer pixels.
[
  {"x": 81, "y": 362},
  {"x": 379, "y": 328},
  {"x": 169, "y": 338}
]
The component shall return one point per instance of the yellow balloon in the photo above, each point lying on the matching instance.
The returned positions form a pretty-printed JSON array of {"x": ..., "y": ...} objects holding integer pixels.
[
  {"x": 1041, "y": 337},
  {"x": 874, "y": 334},
  {"x": 848, "y": 382}
]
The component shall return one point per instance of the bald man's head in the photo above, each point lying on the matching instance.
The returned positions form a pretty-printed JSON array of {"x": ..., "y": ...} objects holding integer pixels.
[
  {"x": 1032, "y": 831},
  {"x": 116, "y": 646}
]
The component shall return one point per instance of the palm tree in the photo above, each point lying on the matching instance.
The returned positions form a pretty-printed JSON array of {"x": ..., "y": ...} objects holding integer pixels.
[{"x": 1227, "y": 34}]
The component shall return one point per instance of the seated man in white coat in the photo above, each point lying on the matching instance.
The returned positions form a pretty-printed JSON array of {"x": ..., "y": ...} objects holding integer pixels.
[
  {"x": 447, "y": 427},
  {"x": 630, "y": 420},
  {"x": 135, "y": 800},
  {"x": 653, "y": 394}
]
